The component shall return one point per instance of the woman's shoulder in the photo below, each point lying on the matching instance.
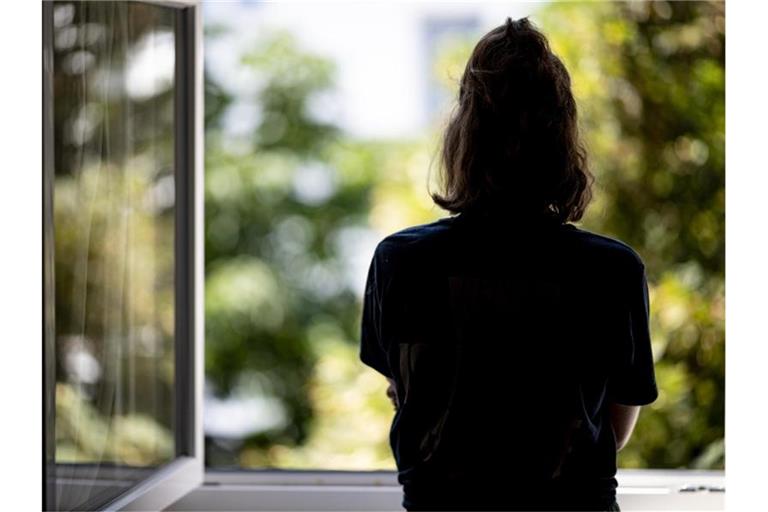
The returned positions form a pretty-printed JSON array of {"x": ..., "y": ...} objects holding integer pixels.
[
  {"x": 604, "y": 246},
  {"x": 416, "y": 239}
]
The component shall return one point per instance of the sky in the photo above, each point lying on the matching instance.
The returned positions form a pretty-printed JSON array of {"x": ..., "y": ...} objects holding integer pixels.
[{"x": 381, "y": 50}]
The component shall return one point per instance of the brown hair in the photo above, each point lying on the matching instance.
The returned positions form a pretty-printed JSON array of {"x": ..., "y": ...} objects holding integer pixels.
[{"x": 512, "y": 142}]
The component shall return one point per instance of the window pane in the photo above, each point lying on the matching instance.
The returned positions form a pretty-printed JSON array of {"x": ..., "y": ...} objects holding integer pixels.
[{"x": 113, "y": 246}]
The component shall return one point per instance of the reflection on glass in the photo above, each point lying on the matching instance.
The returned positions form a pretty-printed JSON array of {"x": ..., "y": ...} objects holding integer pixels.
[{"x": 113, "y": 246}]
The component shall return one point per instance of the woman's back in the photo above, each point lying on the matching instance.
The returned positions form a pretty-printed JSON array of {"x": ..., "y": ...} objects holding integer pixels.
[
  {"x": 507, "y": 339},
  {"x": 509, "y": 333}
]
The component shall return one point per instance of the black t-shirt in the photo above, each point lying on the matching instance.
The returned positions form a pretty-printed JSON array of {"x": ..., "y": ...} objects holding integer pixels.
[{"x": 507, "y": 340}]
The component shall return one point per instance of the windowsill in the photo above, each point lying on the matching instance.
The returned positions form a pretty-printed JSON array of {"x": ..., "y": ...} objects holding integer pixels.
[{"x": 378, "y": 490}]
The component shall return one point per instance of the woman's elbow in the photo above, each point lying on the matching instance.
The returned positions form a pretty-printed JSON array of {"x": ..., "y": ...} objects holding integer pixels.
[
  {"x": 622, "y": 440},
  {"x": 623, "y": 419}
]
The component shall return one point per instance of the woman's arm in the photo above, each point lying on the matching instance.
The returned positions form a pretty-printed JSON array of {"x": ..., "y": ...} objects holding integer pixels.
[{"x": 623, "y": 419}]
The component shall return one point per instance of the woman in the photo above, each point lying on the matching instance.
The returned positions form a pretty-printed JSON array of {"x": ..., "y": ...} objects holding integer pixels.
[{"x": 516, "y": 344}]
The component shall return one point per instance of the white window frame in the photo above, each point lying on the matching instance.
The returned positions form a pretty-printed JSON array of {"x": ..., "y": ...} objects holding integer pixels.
[{"x": 647, "y": 490}]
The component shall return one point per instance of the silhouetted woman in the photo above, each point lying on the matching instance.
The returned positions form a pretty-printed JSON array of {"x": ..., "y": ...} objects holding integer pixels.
[{"x": 516, "y": 344}]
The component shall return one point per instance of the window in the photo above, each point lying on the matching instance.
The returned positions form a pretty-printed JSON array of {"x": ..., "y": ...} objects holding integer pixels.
[
  {"x": 120, "y": 252},
  {"x": 315, "y": 149},
  {"x": 320, "y": 133}
]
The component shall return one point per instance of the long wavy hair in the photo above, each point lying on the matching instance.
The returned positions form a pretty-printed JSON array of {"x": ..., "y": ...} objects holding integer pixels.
[{"x": 512, "y": 143}]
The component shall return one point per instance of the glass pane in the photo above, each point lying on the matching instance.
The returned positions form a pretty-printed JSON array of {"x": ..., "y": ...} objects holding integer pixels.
[{"x": 113, "y": 247}]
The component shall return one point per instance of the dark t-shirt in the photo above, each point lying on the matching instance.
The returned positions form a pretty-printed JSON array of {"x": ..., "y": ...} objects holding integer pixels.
[{"x": 507, "y": 340}]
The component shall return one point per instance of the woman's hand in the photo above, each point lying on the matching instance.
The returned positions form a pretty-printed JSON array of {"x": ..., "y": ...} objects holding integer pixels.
[{"x": 392, "y": 393}]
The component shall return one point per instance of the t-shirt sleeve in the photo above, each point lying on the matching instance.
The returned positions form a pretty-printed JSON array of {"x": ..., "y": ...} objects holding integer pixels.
[
  {"x": 633, "y": 380},
  {"x": 372, "y": 352}
]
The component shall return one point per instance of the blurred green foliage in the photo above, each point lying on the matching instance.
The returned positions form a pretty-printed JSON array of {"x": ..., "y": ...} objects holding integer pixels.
[
  {"x": 284, "y": 203},
  {"x": 650, "y": 80}
]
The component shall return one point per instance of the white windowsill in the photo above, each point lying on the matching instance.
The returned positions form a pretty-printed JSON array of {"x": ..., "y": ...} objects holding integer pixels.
[{"x": 328, "y": 490}]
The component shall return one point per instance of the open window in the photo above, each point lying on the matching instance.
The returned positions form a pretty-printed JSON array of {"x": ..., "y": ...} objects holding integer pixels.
[
  {"x": 316, "y": 148},
  {"x": 122, "y": 254}
]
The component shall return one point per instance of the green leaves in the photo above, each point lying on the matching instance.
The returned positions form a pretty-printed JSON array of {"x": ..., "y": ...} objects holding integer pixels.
[{"x": 651, "y": 97}]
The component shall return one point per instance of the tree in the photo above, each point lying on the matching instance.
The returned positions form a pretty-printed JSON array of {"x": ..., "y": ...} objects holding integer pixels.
[
  {"x": 650, "y": 82},
  {"x": 274, "y": 207}
]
